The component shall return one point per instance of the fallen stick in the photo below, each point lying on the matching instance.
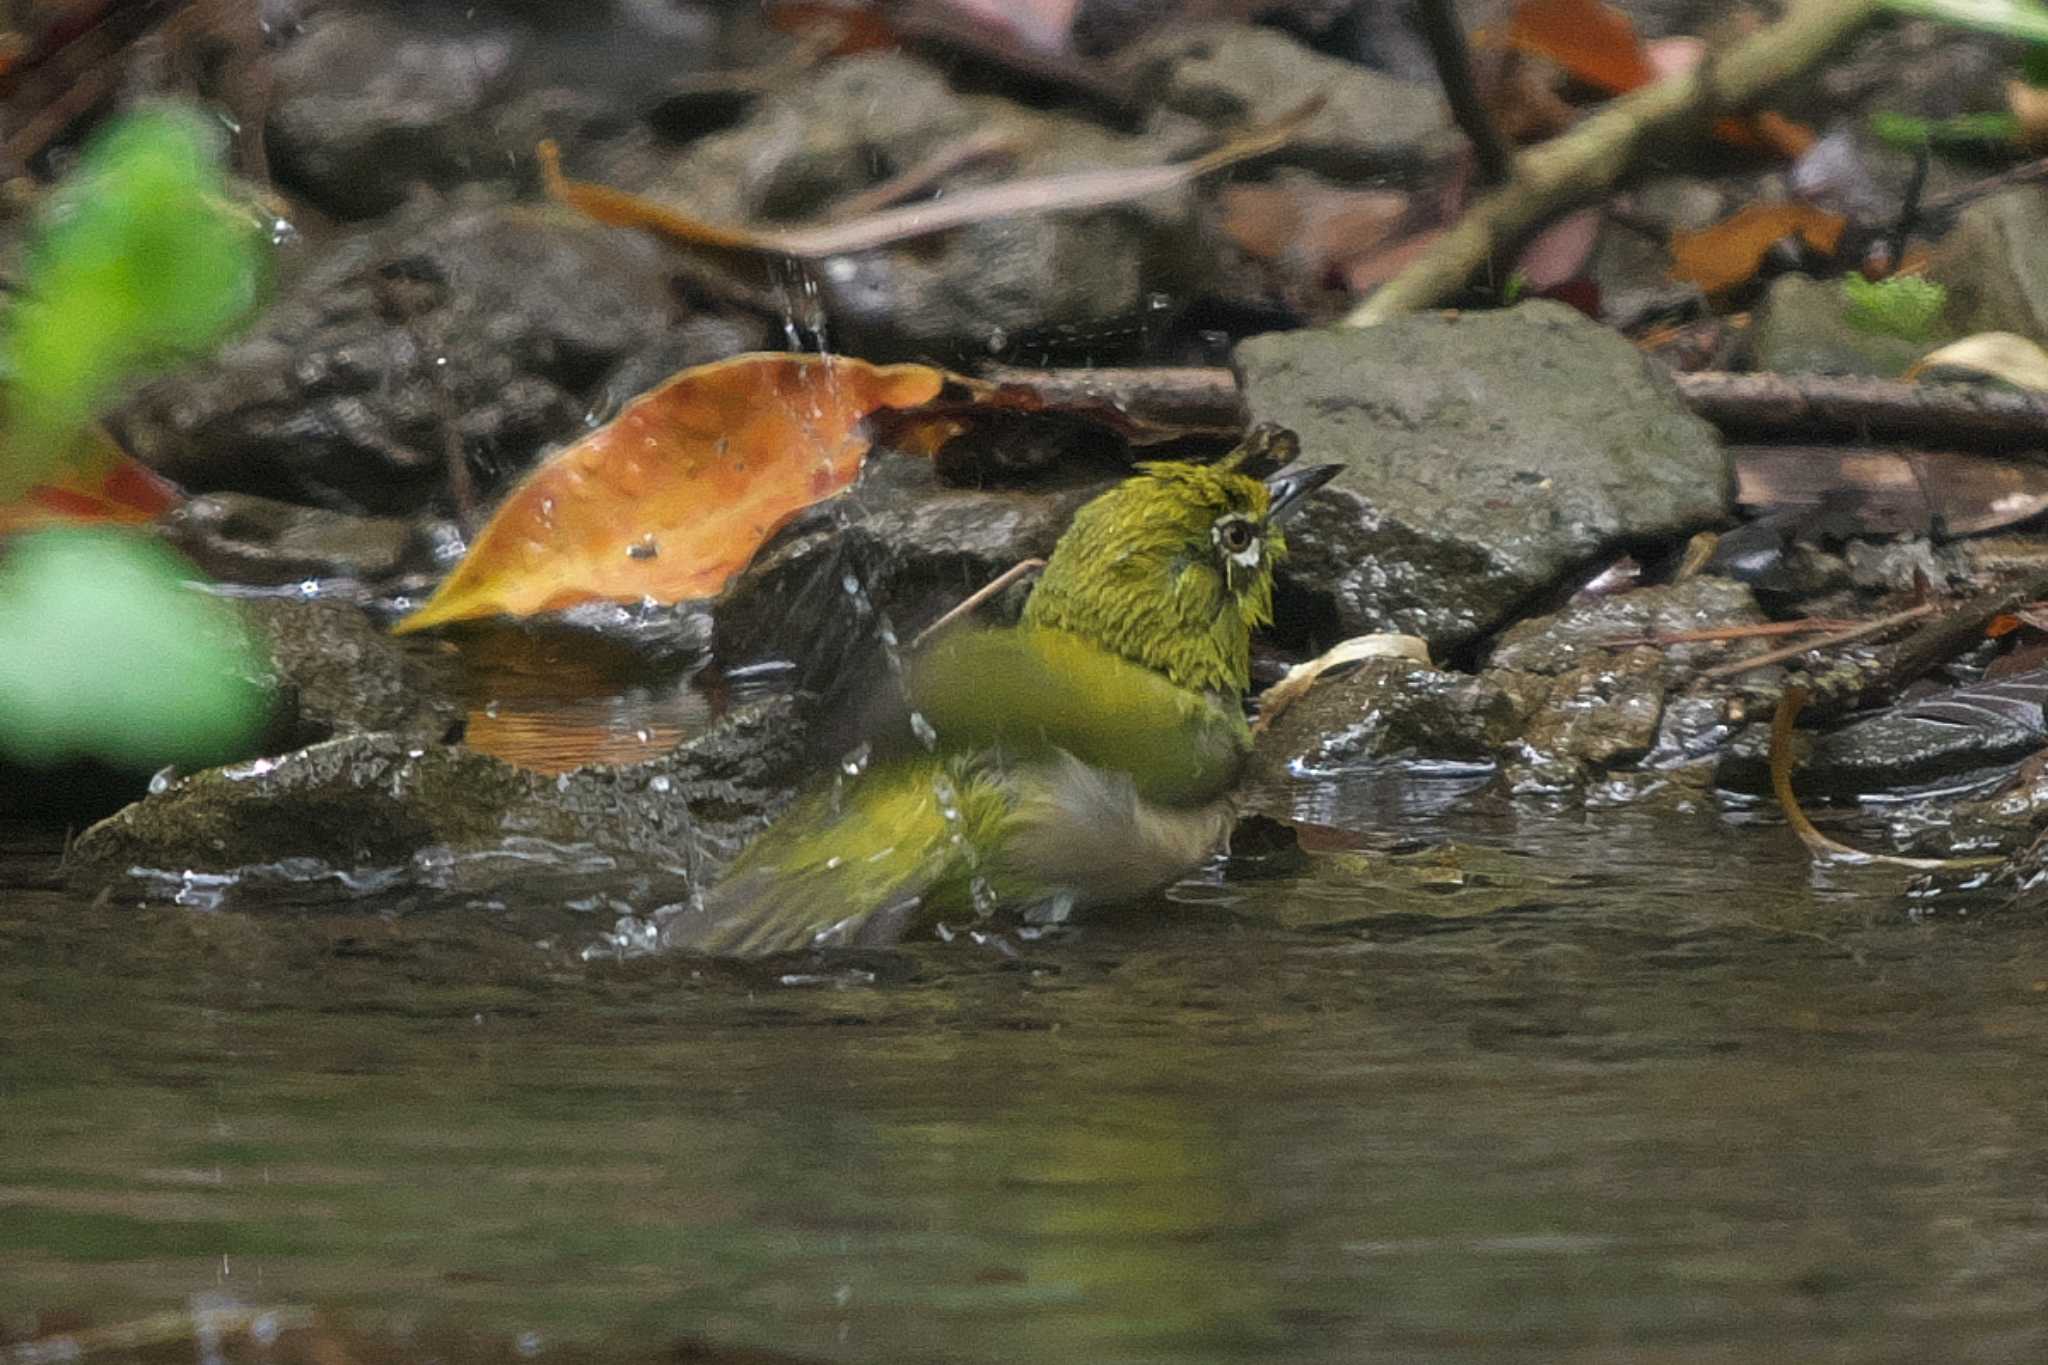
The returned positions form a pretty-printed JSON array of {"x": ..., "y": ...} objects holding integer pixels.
[
  {"x": 1577, "y": 165},
  {"x": 976, "y": 598},
  {"x": 1809, "y": 625},
  {"x": 1191, "y": 396},
  {"x": 1785, "y": 405},
  {"x": 1839, "y": 638}
]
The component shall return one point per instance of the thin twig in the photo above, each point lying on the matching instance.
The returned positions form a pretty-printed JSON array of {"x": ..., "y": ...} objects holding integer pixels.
[
  {"x": 1017, "y": 198},
  {"x": 1942, "y": 205},
  {"x": 926, "y": 174},
  {"x": 1810, "y": 625},
  {"x": 1840, "y": 637},
  {"x": 1438, "y": 23},
  {"x": 1579, "y": 164},
  {"x": 1817, "y": 843},
  {"x": 979, "y": 596}
]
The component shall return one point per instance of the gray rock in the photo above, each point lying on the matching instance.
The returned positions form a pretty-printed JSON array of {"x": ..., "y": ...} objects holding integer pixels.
[
  {"x": 1370, "y": 124},
  {"x": 1993, "y": 265},
  {"x": 1565, "y": 640},
  {"x": 371, "y": 104},
  {"x": 1591, "y": 708},
  {"x": 340, "y": 674},
  {"x": 366, "y": 108},
  {"x": 256, "y": 541},
  {"x": 1490, "y": 457},
  {"x": 1960, "y": 738},
  {"x": 1803, "y": 326},
  {"x": 473, "y": 322},
  {"x": 1387, "y": 710},
  {"x": 377, "y": 812},
  {"x": 863, "y": 119}
]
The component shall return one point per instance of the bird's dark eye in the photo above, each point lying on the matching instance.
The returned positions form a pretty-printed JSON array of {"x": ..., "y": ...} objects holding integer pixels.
[{"x": 1235, "y": 536}]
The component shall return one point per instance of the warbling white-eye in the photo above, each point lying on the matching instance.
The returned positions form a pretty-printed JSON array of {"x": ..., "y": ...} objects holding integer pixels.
[{"x": 1084, "y": 756}]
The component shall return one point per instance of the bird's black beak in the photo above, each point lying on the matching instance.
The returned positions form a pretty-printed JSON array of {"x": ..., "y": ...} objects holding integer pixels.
[{"x": 1289, "y": 488}]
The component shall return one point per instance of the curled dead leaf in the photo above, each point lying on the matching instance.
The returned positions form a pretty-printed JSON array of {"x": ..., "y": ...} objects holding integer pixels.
[
  {"x": 670, "y": 499},
  {"x": 2006, "y": 356}
]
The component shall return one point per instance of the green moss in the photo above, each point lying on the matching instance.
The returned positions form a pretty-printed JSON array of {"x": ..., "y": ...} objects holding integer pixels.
[{"x": 1904, "y": 306}]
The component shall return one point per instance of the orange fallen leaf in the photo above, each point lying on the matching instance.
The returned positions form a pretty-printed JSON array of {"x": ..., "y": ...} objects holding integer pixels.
[
  {"x": 1596, "y": 45},
  {"x": 672, "y": 497},
  {"x": 1593, "y": 42},
  {"x": 103, "y": 484},
  {"x": 1766, "y": 131},
  {"x": 1720, "y": 257}
]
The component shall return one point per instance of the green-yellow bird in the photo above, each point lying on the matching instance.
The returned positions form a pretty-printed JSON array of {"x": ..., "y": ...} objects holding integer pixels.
[{"x": 1083, "y": 757}]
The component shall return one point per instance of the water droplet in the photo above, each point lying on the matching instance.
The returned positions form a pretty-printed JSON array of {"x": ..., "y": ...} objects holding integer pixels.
[
  {"x": 922, "y": 728},
  {"x": 856, "y": 762},
  {"x": 161, "y": 780},
  {"x": 659, "y": 784},
  {"x": 997, "y": 340},
  {"x": 491, "y": 709}
]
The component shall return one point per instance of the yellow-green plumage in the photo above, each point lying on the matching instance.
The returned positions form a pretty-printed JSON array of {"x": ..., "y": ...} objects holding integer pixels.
[{"x": 1083, "y": 756}]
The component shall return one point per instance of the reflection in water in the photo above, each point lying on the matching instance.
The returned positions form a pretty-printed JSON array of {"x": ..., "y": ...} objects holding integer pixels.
[{"x": 1579, "y": 1088}]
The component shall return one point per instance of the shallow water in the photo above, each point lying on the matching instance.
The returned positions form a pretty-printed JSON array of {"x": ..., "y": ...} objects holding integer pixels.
[{"x": 1616, "y": 1087}]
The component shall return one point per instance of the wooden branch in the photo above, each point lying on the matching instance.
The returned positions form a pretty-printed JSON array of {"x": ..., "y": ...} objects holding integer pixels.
[
  {"x": 1438, "y": 22},
  {"x": 1783, "y": 405},
  {"x": 1190, "y": 396},
  {"x": 1579, "y": 164}
]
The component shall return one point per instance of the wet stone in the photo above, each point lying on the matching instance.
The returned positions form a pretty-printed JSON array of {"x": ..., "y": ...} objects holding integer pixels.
[
  {"x": 339, "y": 673},
  {"x": 1592, "y": 706},
  {"x": 1387, "y": 711},
  {"x": 1370, "y": 124},
  {"x": 1489, "y": 459},
  {"x": 241, "y": 538},
  {"x": 470, "y": 324},
  {"x": 1090, "y": 276},
  {"x": 377, "y": 812},
  {"x": 372, "y": 103},
  {"x": 1939, "y": 743}
]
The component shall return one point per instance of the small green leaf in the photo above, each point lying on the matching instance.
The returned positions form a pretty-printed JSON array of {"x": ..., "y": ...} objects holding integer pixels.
[{"x": 1902, "y": 306}]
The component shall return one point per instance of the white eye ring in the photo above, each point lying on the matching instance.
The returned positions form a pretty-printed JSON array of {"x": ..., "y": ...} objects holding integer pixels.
[{"x": 1238, "y": 539}]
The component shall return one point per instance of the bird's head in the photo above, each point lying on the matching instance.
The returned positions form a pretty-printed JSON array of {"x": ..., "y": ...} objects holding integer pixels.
[{"x": 1173, "y": 568}]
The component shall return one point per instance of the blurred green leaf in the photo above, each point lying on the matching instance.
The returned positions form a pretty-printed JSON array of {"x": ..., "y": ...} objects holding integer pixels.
[
  {"x": 1909, "y": 132},
  {"x": 138, "y": 260},
  {"x": 2008, "y": 18},
  {"x": 107, "y": 651}
]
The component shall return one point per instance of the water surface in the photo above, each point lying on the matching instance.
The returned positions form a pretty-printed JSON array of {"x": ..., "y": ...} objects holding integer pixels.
[{"x": 1583, "y": 1088}]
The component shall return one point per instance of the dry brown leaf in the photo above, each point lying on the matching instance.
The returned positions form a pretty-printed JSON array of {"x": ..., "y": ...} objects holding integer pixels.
[
  {"x": 1594, "y": 42},
  {"x": 1726, "y": 255},
  {"x": 672, "y": 497},
  {"x": 1893, "y": 492}
]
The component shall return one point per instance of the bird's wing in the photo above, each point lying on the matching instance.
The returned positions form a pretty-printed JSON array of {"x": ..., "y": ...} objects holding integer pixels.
[
  {"x": 852, "y": 865},
  {"x": 1034, "y": 693}
]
